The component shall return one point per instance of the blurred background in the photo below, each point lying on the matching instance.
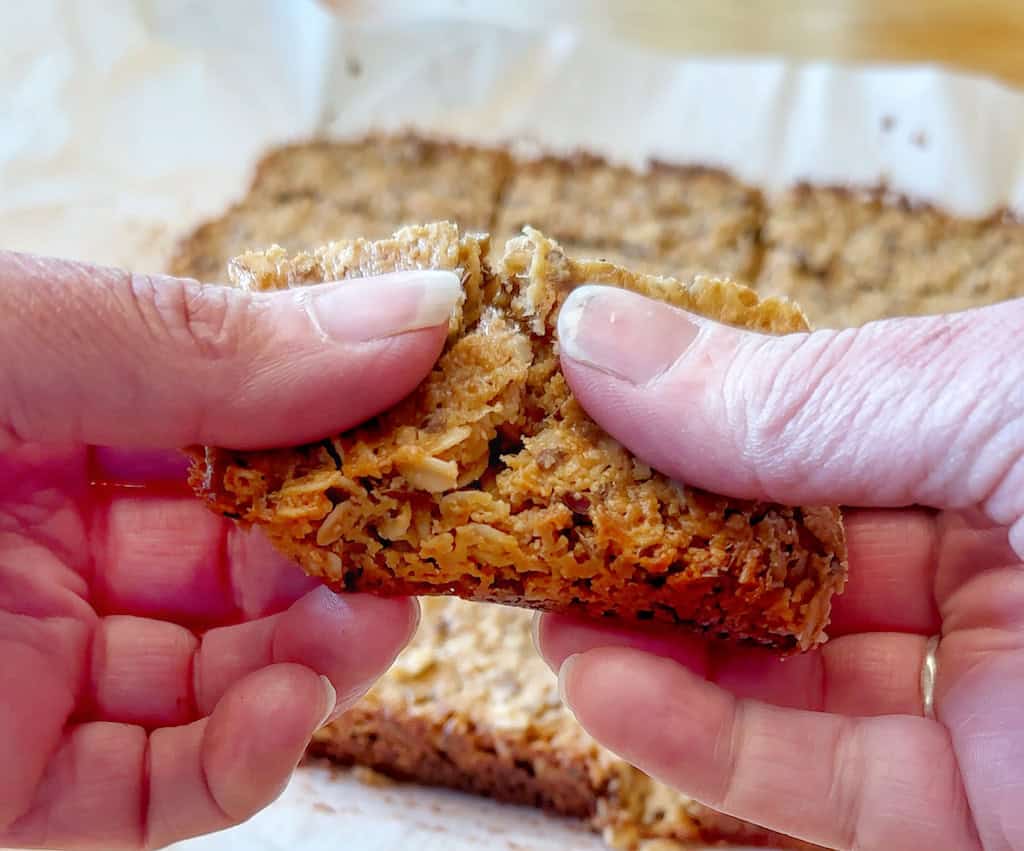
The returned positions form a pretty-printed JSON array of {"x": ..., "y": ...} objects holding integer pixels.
[{"x": 980, "y": 36}]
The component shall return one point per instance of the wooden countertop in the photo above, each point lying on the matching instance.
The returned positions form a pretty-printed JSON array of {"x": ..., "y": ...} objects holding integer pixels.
[{"x": 981, "y": 36}]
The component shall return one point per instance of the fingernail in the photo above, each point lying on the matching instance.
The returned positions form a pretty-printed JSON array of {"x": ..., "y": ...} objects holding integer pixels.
[
  {"x": 535, "y": 632},
  {"x": 330, "y": 701},
  {"x": 563, "y": 675},
  {"x": 366, "y": 309},
  {"x": 623, "y": 334}
]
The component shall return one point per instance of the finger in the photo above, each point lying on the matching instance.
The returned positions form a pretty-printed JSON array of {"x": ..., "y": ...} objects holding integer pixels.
[
  {"x": 978, "y": 697},
  {"x": 350, "y": 638},
  {"x": 108, "y": 786},
  {"x": 91, "y": 795},
  {"x": 154, "y": 673},
  {"x": 162, "y": 557},
  {"x": 106, "y": 357},
  {"x": 261, "y": 580},
  {"x": 141, "y": 672},
  {"x": 36, "y": 583},
  {"x": 45, "y": 629},
  {"x": 41, "y": 494},
  {"x": 221, "y": 771},
  {"x": 893, "y": 558},
  {"x": 126, "y": 468},
  {"x": 888, "y": 782},
  {"x": 968, "y": 549},
  {"x": 904, "y": 411},
  {"x": 169, "y": 557},
  {"x": 38, "y": 698},
  {"x": 862, "y": 675}
]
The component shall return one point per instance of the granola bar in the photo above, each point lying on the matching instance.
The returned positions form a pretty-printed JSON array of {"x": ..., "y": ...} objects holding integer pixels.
[
  {"x": 847, "y": 257},
  {"x": 470, "y": 705},
  {"x": 852, "y": 257},
  {"x": 305, "y": 195},
  {"x": 491, "y": 483},
  {"x": 674, "y": 221}
]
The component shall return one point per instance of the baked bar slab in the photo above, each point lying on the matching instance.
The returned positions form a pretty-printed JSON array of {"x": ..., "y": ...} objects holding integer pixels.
[
  {"x": 853, "y": 257},
  {"x": 305, "y": 195},
  {"x": 470, "y": 705},
  {"x": 491, "y": 483},
  {"x": 848, "y": 257},
  {"x": 669, "y": 220}
]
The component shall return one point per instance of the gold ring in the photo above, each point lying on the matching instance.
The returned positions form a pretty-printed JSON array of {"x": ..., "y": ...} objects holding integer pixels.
[{"x": 929, "y": 668}]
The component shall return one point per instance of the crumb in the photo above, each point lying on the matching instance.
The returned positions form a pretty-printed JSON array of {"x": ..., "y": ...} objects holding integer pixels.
[
  {"x": 847, "y": 259},
  {"x": 919, "y": 139},
  {"x": 369, "y": 777},
  {"x": 353, "y": 66},
  {"x": 490, "y": 481},
  {"x": 321, "y": 807}
]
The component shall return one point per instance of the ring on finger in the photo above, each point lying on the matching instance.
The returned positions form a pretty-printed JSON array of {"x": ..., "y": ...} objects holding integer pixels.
[{"x": 929, "y": 670}]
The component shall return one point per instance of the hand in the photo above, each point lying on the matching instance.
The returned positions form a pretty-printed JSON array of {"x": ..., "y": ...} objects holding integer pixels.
[
  {"x": 831, "y": 746},
  {"x": 162, "y": 671}
]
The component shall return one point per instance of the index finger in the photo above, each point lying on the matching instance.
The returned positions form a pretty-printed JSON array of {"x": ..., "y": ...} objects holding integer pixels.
[
  {"x": 837, "y": 781},
  {"x": 158, "y": 552},
  {"x": 891, "y": 582}
]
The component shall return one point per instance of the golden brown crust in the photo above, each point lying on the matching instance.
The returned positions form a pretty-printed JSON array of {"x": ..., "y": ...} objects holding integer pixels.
[
  {"x": 847, "y": 256},
  {"x": 478, "y": 761},
  {"x": 470, "y": 705},
  {"x": 852, "y": 257},
  {"x": 471, "y": 675},
  {"x": 491, "y": 483},
  {"x": 308, "y": 194},
  {"x": 669, "y": 220}
]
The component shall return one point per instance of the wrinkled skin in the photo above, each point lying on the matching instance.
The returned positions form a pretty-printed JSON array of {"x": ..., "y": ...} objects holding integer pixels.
[
  {"x": 832, "y": 746},
  {"x": 162, "y": 670}
]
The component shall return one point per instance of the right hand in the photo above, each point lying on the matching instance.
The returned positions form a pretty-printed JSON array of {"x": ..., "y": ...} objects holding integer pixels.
[{"x": 830, "y": 746}]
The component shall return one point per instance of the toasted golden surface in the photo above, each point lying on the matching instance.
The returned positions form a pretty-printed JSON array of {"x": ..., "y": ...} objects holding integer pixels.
[
  {"x": 848, "y": 257},
  {"x": 469, "y": 703},
  {"x": 490, "y": 482},
  {"x": 308, "y": 194},
  {"x": 682, "y": 222},
  {"x": 851, "y": 257}
]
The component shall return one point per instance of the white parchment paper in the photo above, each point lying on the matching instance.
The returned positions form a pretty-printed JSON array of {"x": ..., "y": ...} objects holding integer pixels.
[{"x": 123, "y": 123}]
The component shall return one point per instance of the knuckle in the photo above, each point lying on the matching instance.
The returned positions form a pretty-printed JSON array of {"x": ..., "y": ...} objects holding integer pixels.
[
  {"x": 856, "y": 399},
  {"x": 729, "y": 750},
  {"x": 846, "y": 783},
  {"x": 213, "y": 321},
  {"x": 972, "y": 391},
  {"x": 776, "y": 390}
]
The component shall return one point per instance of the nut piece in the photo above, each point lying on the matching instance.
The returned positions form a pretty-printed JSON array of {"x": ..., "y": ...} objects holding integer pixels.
[
  {"x": 490, "y": 481},
  {"x": 430, "y": 474}
]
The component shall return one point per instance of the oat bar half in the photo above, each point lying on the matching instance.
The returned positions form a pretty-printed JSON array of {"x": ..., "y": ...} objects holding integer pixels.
[
  {"x": 469, "y": 704},
  {"x": 491, "y": 483}
]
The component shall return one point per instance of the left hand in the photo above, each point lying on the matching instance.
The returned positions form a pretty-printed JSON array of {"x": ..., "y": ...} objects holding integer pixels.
[{"x": 161, "y": 671}]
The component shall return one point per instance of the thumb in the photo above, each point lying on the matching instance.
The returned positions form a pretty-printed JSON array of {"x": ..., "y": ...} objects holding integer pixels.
[
  {"x": 906, "y": 411},
  {"x": 102, "y": 356}
]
